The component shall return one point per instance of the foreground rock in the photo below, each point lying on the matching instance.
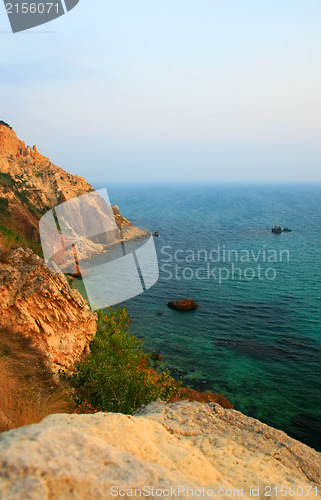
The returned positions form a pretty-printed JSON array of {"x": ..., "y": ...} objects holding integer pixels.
[
  {"x": 40, "y": 304},
  {"x": 164, "y": 446},
  {"x": 183, "y": 305}
]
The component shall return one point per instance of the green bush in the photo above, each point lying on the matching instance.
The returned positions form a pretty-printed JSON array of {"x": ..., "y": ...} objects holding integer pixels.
[
  {"x": 69, "y": 279},
  {"x": 11, "y": 237},
  {"x": 6, "y": 180},
  {"x": 23, "y": 196},
  {"x": 4, "y": 203},
  {"x": 116, "y": 376}
]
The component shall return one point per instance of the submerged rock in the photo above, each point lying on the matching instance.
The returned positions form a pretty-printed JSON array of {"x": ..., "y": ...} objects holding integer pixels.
[
  {"x": 279, "y": 230},
  {"x": 155, "y": 356},
  {"x": 183, "y": 305}
]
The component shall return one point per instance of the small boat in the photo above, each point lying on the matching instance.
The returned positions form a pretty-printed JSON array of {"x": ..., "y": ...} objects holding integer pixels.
[{"x": 156, "y": 233}]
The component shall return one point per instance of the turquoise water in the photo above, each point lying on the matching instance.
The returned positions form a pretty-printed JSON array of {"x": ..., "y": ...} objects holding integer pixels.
[{"x": 257, "y": 339}]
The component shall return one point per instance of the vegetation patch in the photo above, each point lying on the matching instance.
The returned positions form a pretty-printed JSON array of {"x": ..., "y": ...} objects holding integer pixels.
[
  {"x": 24, "y": 198},
  {"x": 4, "y": 206},
  {"x": 117, "y": 376},
  {"x": 6, "y": 180},
  {"x": 12, "y": 239}
]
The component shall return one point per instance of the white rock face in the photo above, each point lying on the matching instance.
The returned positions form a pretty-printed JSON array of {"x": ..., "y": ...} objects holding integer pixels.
[{"x": 202, "y": 447}]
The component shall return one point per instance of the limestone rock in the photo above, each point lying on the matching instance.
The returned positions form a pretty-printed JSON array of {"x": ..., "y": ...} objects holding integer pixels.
[
  {"x": 40, "y": 304},
  {"x": 163, "y": 446},
  {"x": 245, "y": 450}
]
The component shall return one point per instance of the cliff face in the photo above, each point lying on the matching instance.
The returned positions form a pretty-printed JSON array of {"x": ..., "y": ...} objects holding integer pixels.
[
  {"x": 31, "y": 183},
  {"x": 35, "y": 301},
  {"x": 41, "y": 305},
  {"x": 47, "y": 184},
  {"x": 164, "y": 446}
]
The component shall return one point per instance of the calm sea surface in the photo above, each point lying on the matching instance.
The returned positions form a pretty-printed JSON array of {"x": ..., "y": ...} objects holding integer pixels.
[{"x": 256, "y": 336}]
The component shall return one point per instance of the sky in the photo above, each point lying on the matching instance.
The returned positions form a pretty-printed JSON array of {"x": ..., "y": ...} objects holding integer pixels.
[{"x": 171, "y": 90}]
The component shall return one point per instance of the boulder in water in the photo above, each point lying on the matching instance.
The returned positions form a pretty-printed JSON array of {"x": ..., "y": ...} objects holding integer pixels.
[
  {"x": 279, "y": 230},
  {"x": 183, "y": 305}
]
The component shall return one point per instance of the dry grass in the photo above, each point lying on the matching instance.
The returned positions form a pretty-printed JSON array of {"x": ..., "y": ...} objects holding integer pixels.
[
  {"x": 27, "y": 390},
  {"x": 5, "y": 248}
]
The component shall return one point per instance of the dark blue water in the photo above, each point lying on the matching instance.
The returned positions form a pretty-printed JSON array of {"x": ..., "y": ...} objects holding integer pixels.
[{"x": 256, "y": 336}]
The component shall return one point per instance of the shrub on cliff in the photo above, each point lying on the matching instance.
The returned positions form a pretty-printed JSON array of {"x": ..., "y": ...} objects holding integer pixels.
[
  {"x": 4, "y": 205},
  {"x": 6, "y": 180},
  {"x": 10, "y": 239},
  {"x": 117, "y": 375}
]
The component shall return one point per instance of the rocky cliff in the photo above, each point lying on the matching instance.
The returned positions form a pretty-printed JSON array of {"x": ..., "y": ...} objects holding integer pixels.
[
  {"x": 30, "y": 184},
  {"x": 214, "y": 452},
  {"x": 41, "y": 305},
  {"x": 34, "y": 301}
]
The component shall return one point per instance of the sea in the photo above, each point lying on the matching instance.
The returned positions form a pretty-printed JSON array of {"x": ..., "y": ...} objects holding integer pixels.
[{"x": 256, "y": 335}]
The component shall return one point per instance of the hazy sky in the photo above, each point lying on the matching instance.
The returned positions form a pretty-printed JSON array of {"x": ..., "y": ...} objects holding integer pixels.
[{"x": 144, "y": 90}]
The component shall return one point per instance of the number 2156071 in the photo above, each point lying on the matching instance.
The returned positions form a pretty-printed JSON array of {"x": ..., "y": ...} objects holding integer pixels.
[{"x": 32, "y": 8}]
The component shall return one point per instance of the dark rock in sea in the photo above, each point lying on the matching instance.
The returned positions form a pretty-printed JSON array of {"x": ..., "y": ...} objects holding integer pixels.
[
  {"x": 279, "y": 230},
  {"x": 183, "y": 305},
  {"x": 155, "y": 356}
]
